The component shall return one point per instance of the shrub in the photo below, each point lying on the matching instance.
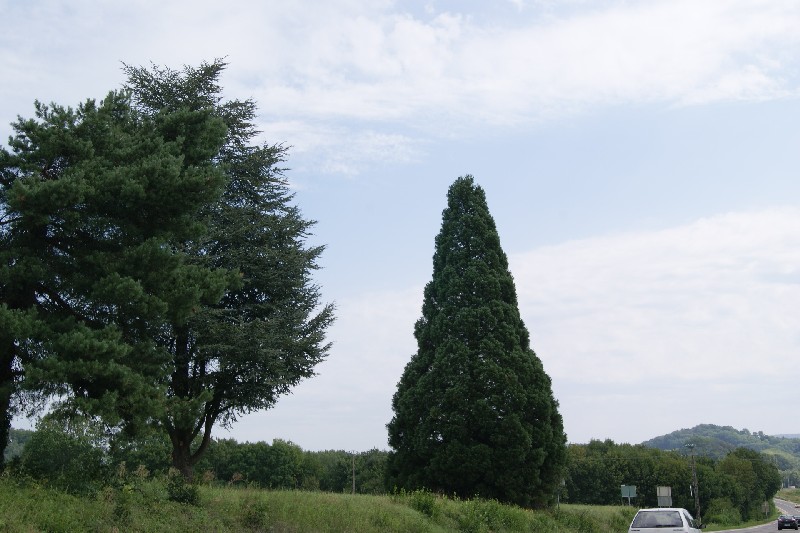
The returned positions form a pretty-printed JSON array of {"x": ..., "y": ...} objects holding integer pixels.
[
  {"x": 181, "y": 491},
  {"x": 424, "y": 501},
  {"x": 254, "y": 512},
  {"x": 63, "y": 461},
  {"x": 722, "y": 511}
]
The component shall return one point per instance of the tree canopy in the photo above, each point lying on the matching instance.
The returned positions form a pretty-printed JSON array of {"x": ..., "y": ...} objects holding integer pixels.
[
  {"x": 266, "y": 333},
  {"x": 154, "y": 271},
  {"x": 92, "y": 199},
  {"x": 732, "y": 488},
  {"x": 474, "y": 412}
]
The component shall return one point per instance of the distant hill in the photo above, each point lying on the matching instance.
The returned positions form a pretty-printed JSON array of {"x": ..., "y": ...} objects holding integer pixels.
[{"x": 716, "y": 441}]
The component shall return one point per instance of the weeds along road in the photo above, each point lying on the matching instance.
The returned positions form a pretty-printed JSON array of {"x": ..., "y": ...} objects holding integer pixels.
[{"x": 784, "y": 507}]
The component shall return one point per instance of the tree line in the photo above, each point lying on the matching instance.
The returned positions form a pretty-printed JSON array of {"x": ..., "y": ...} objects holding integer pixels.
[
  {"x": 732, "y": 488},
  {"x": 718, "y": 441},
  {"x": 78, "y": 458}
]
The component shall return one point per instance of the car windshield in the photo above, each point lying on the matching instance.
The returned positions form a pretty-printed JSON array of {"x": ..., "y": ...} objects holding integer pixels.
[{"x": 657, "y": 519}]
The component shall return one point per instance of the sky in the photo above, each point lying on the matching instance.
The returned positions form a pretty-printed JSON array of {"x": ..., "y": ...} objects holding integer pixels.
[{"x": 640, "y": 159}]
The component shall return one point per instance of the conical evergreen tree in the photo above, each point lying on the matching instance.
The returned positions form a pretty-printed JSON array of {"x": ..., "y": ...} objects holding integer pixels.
[{"x": 474, "y": 409}]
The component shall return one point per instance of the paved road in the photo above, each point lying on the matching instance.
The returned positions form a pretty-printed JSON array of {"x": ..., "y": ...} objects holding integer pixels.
[{"x": 784, "y": 506}]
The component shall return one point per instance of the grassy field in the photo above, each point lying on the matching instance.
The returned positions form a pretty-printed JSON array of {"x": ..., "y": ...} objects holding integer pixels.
[
  {"x": 27, "y": 507},
  {"x": 792, "y": 495},
  {"x": 145, "y": 506}
]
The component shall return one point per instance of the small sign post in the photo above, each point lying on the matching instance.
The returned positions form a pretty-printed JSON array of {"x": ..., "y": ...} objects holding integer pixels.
[
  {"x": 628, "y": 491},
  {"x": 664, "y": 495}
]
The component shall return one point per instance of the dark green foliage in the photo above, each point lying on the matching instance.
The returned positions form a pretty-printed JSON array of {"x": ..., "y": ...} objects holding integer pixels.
[
  {"x": 333, "y": 470},
  {"x": 91, "y": 200},
  {"x": 474, "y": 409},
  {"x": 267, "y": 332},
  {"x": 65, "y": 459},
  {"x": 596, "y": 471},
  {"x": 181, "y": 490},
  {"x": 370, "y": 472},
  {"x": 718, "y": 441},
  {"x": 284, "y": 465},
  {"x": 153, "y": 270},
  {"x": 722, "y": 511},
  {"x": 731, "y": 489},
  {"x": 150, "y": 450},
  {"x": 755, "y": 480},
  {"x": 281, "y": 465}
]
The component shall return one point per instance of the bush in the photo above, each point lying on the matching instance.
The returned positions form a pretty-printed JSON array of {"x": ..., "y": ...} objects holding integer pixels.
[
  {"x": 478, "y": 515},
  {"x": 254, "y": 512},
  {"x": 180, "y": 490},
  {"x": 65, "y": 462},
  {"x": 424, "y": 501},
  {"x": 722, "y": 511}
]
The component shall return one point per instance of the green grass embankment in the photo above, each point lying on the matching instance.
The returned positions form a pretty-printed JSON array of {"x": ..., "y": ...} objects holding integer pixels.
[{"x": 145, "y": 508}]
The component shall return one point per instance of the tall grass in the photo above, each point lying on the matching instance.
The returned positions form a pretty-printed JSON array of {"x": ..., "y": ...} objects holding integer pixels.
[{"x": 145, "y": 507}]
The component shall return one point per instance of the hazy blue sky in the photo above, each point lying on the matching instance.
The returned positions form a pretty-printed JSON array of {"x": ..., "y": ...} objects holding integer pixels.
[{"x": 640, "y": 159}]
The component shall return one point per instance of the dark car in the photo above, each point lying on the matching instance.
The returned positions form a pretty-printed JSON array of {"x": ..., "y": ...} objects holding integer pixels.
[{"x": 786, "y": 522}]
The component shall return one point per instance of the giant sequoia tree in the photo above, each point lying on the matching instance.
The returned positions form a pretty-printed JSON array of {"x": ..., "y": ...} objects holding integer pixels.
[{"x": 474, "y": 409}]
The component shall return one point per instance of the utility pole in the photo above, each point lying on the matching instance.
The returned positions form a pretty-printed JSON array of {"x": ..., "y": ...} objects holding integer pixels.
[{"x": 694, "y": 484}]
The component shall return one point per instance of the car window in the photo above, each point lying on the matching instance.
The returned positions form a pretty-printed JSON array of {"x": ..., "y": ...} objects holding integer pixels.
[{"x": 657, "y": 519}]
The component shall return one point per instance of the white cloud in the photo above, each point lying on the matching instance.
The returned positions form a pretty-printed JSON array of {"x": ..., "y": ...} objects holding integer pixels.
[
  {"x": 694, "y": 323},
  {"x": 381, "y": 68},
  {"x": 717, "y": 296},
  {"x": 395, "y": 66},
  {"x": 452, "y": 75},
  {"x": 340, "y": 150}
]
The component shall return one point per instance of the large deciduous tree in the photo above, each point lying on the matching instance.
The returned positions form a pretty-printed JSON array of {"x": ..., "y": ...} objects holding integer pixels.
[
  {"x": 474, "y": 412},
  {"x": 267, "y": 333}
]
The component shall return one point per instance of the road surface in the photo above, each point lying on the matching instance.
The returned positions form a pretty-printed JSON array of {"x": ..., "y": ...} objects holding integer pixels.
[{"x": 784, "y": 507}]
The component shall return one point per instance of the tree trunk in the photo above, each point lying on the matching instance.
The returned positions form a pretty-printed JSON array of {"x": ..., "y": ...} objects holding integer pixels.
[
  {"x": 183, "y": 459},
  {"x": 180, "y": 436},
  {"x": 7, "y": 354},
  {"x": 182, "y": 453}
]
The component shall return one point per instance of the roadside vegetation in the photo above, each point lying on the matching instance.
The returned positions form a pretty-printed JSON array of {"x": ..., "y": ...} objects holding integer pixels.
[
  {"x": 67, "y": 479},
  {"x": 143, "y": 504},
  {"x": 790, "y": 495}
]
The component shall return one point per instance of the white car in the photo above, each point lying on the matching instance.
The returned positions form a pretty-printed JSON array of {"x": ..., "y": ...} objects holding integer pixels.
[{"x": 664, "y": 519}]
